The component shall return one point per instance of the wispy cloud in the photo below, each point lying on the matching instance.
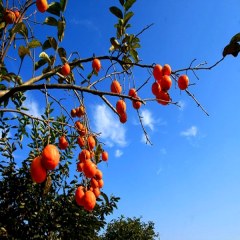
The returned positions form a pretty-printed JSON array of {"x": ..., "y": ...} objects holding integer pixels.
[
  {"x": 118, "y": 153},
  {"x": 33, "y": 106},
  {"x": 190, "y": 132},
  {"x": 182, "y": 105},
  {"x": 106, "y": 123},
  {"x": 147, "y": 119}
]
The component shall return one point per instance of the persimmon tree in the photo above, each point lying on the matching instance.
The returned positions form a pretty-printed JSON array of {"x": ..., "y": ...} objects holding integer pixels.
[{"x": 63, "y": 137}]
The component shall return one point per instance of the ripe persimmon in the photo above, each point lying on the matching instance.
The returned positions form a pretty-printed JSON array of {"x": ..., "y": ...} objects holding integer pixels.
[
  {"x": 50, "y": 157},
  {"x": 183, "y": 82},
  {"x": 84, "y": 155},
  {"x": 123, "y": 117},
  {"x": 121, "y": 106},
  {"x": 81, "y": 141},
  {"x": 91, "y": 142},
  {"x": 96, "y": 65},
  {"x": 65, "y": 69},
  {"x": 17, "y": 14},
  {"x": 82, "y": 130},
  {"x": 116, "y": 87},
  {"x": 38, "y": 172},
  {"x": 79, "y": 195},
  {"x": 42, "y": 5},
  {"x": 80, "y": 111},
  {"x": 100, "y": 183},
  {"x": 98, "y": 174},
  {"x": 63, "y": 143},
  {"x": 73, "y": 113},
  {"x": 165, "y": 82},
  {"x": 156, "y": 88},
  {"x": 132, "y": 92},
  {"x": 157, "y": 72},
  {"x": 96, "y": 192},
  {"x": 89, "y": 168},
  {"x": 89, "y": 200},
  {"x": 166, "y": 70},
  {"x": 163, "y": 98},
  {"x": 80, "y": 166},
  {"x": 94, "y": 183},
  {"x": 104, "y": 155},
  {"x": 136, "y": 104}
]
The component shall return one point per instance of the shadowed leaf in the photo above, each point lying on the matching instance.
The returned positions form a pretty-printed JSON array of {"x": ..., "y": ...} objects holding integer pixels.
[
  {"x": 232, "y": 48},
  {"x": 116, "y": 11}
]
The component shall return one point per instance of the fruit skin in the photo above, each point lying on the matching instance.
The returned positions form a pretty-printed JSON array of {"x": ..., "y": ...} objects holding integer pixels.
[
  {"x": 38, "y": 172},
  {"x": 98, "y": 174},
  {"x": 65, "y": 69},
  {"x": 166, "y": 70},
  {"x": 42, "y": 5},
  {"x": 81, "y": 141},
  {"x": 157, "y": 72},
  {"x": 121, "y": 106},
  {"x": 132, "y": 92},
  {"x": 50, "y": 157},
  {"x": 165, "y": 83},
  {"x": 123, "y": 117},
  {"x": 89, "y": 168},
  {"x": 156, "y": 88},
  {"x": 136, "y": 104},
  {"x": 183, "y": 82},
  {"x": 163, "y": 98},
  {"x": 84, "y": 155},
  {"x": 96, "y": 192},
  {"x": 79, "y": 196},
  {"x": 89, "y": 200},
  {"x": 116, "y": 87},
  {"x": 104, "y": 156},
  {"x": 9, "y": 17},
  {"x": 96, "y": 65},
  {"x": 91, "y": 142},
  {"x": 63, "y": 143}
]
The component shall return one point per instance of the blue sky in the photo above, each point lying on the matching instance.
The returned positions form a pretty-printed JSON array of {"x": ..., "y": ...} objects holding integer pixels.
[{"x": 188, "y": 181}]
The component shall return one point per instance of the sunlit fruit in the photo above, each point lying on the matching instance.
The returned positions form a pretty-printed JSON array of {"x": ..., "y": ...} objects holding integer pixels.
[
  {"x": 156, "y": 88},
  {"x": 183, "y": 82},
  {"x": 136, "y": 104},
  {"x": 163, "y": 98},
  {"x": 157, "y": 72},
  {"x": 166, "y": 70},
  {"x": 132, "y": 92},
  {"x": 104, "y": 155},
  {"x": 79, "y": 194},
  {"x": 81, "y": 141},
  {"x": 91, "y": 142},
  {"x": 98, "y": 174},
  {"x": 65, "y": 69},
  {"x": 96, "y": 65},
  {"x": 80, "y": 111},
  {"x": 9, "y": 17},
  {"x": 89, "y": 168},
  {"x": 50, "y": 157},
  {"x": 38, "y": 172},
  {"x": 116, "y": 87},
  {"x": 89, "y": 200},
  {"x": 121, "y": 106},
  {"x": 63, "y": 143},
  {"x": 84, "y": 155},
  {"x": 123, "y": 117},
  {"x": 165, "y": 82},
  {"x": 42, "y": 5}
]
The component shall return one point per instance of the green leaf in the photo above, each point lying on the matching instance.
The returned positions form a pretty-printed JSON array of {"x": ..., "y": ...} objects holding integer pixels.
[
  {"x": 34, "y": 43},
  {"x": 63, "y": 4},
  {"x": 116, "y": 11},
  {"x": 21, "y": 29},
  {"x": 232, "y": 48},
  {"x": 128, "y": 4},
  {"x": 2, "y": 25},
  {"x": 51, "y": 21},
  {"x": 39, "y": 63},
  {"x": 61, "y": 29},
  {"x": 122, "y": 2},
  {"x": 54, "y": 8},
  {"x": 134, "y": 55},
  {"x": 50, "y": 43},
  {"x": 23, "y": 51},
  {"x": 127, "y": 18},
  {"x": 62, "y": 53}
]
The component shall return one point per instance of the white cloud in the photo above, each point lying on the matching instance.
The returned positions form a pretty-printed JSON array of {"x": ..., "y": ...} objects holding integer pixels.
[
  {"x": 33, "y": 106},
  {"x": 118, "y": 153},
  {"x": 190, "y": 132},
  {"x": 147, "y": 119},
  {"x": 182, "y": 105},
  {"x": 106, "y": 123}
]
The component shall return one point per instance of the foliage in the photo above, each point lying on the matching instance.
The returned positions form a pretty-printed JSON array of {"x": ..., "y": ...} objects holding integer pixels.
[{"x": 130, "y": 228}]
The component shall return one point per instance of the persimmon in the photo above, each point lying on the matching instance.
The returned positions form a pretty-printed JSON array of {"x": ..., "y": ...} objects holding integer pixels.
[
  {"x": 116, "y": 87},
  {"x": 163, "y": 98},
  {"x": 84, "y": 155},
  {"x": 38, "y": 172},
  {"x": 96, "y": 192},
  {"x": 166, "y": 70},
  {"x": 165, "y": 82},
  {"x": 123, "y": 117},
  {"x": 42, "y": 5},
  {"x": 104, "y": 155},
  {"x": 17, "y": 14},
  {"x": 98, "y": 174},
  {"x": 100, "y": 183},
  {"x": 80, "y": 166},
  {"x": 65, "y": 69},
  {"x": 94, "y": 183},
  {"x": 80, "y": 111},
  {"x": 82, "y": 130},
  {"x": 89, "y": 168},
  {"x": 136, "y": 104},
  {"x": 89, "y": 200},
  {"x": 79, "y": 195},
  {"x": 50, "y": 157},
  {"x": 73, "y": 113},
  {"x": 157, "y": 72},
  {"x": 81, "y": 141},
  {"x": 91, "y": 142},
  {"x": 132, "y": 92},
  {"x": 183, "y": 82},
  {"x": 9, "y": 16},
  {"x": 63, "y": 143},
  {"x": 96, "y": 65},
  {"x": 121, "y": 106},
  {"x": 156, "y": 88}
]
